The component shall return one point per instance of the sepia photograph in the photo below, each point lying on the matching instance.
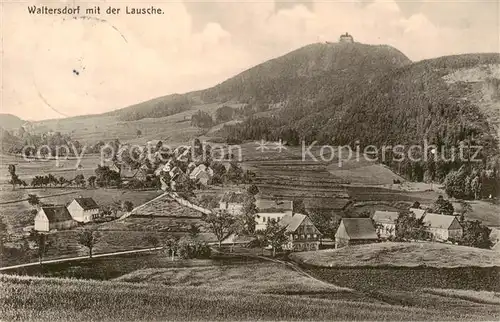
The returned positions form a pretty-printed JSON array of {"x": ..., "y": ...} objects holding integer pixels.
[{"x": 250, "y": 160}]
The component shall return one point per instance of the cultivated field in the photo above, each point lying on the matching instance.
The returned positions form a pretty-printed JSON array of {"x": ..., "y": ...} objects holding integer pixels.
[
  {"x": 17, "y": 215},
  {"x": 364, "y": 172}
]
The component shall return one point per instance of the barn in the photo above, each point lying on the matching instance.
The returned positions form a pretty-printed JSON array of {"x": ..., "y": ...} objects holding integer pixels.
[
  {"x": 355, "y": 231},
  {"x": 53, "y": 217},
  {"x": 443, "y": 227}
]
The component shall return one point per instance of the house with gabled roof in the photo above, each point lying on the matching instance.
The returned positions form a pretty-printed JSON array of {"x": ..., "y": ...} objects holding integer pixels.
[
  {"x": 53, "y": 217},
  {"x": 302, "y": 233},
  {"x": 443, "y": 227},
  {"x": 268, "y": 209},
  {"x": 355, "y": 231},
  {"x": 419, "y": 213},
  {"x": 385, "y": 223},
  {"x": 83, "y": 209}
]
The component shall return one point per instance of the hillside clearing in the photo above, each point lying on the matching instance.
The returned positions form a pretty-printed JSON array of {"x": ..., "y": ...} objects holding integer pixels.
[{"x": 400, "y": 255}]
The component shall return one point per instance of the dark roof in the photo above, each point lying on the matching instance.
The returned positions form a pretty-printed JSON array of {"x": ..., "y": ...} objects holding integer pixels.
[
  {"x": 360, "y": 228},
  {"x": 87, "y": 203},
  {"x": 292, "y": 222},
  {"x": 268, "y": 205},
  {"x": 57, "y": 213}
]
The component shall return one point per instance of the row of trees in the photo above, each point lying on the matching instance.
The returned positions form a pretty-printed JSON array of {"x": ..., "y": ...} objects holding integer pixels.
[
  {"x": 49, "y": 180},
  {"x": 31, "y": 144},
  {"x": 468, "y": 183},
  {"x": 43, "y": 243}
]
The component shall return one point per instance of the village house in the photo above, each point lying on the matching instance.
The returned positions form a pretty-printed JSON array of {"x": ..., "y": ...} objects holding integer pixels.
[
  {"x": 302, "y": 234},
  {"x": 355, "y": 231},
  {"x": 83, "y": 209},
  {"x": 419, "y": 213},
  {"x": 201, "y": 174},
  {"x": 53, "y": 217},
  {"x": 443, "y": 227},
  {"x": 271, "y": 210},
  {"x": 232, "y": 202},
  {"x": 385, "y": 223}
]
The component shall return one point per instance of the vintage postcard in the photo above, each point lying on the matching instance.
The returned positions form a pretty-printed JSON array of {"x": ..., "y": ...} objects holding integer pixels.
[{"x": 324, "y": 160}]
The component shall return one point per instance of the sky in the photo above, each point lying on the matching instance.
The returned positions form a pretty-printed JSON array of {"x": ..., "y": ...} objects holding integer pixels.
[{"x": 56, "y": 66}]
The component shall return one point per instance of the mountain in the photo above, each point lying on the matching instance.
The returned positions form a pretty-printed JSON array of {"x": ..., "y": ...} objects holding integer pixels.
[
  {"x": 10, "y": 122},
  {"x": 444, "y": 100},
  {"x": 308, "y": 72},
  {"x": 7, "y": 140}
]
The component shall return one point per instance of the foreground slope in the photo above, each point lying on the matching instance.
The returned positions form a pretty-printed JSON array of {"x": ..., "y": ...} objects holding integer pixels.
[{"x": 29, "y": 298}]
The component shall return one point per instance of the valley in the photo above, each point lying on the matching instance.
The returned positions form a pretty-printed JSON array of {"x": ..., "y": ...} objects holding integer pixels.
[{"x": 265, "y": 148}]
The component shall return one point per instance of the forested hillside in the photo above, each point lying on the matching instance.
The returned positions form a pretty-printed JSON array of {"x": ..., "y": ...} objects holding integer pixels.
[
  {"x": 448, "y": 101},
  {"x": 311, "y": 72}
]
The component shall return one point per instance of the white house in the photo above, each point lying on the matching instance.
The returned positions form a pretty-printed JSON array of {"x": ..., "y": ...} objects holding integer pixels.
[
  {"x": 443, "y": 227},
  {"x": 53, "y": 217},
  {"x": 271, "y": 210},
  {"x": 83, "y": 209},
  {"x": 385, "y": 223}
]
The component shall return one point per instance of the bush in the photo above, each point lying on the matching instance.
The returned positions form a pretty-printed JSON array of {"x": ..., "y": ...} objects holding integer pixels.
[{"x": 188, "y": 248}]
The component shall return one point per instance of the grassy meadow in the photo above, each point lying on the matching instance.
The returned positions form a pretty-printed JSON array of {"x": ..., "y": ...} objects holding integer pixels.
[
  {"x": 111, "y": 267},
  {"x": 174, "y": 129},
  {"x": 17, "y": 215},
  {"x": 214, "y": 293}
]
